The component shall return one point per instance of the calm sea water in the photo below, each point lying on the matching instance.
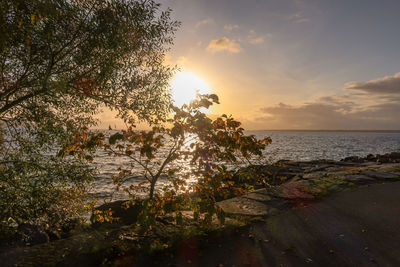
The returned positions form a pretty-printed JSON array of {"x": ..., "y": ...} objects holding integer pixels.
[
  {"x": 307, "y": 145},
  {"x": 292, "y": 145}
]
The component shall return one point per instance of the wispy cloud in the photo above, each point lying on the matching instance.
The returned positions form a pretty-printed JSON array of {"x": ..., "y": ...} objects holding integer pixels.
[
  {"x": 231, "y": 27},
  {"x": 254, "y": 38},
  {"x": 224, "y": 44},
  {"x": 331, "y": 114},
  {"x": 298, "y": 18},
  {"x": 206, "y": 21},
  {"x": 257, "y": 40},
  {"x": 376, "y": 105},
  {"x": 384, "y": 85}
]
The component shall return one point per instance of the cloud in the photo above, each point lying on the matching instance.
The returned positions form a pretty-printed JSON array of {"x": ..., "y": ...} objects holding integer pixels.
[
  {"x": 298, "y": 18},
  {"x": 231, "y": 27},
  {"x": 223, "y": 44},
  {"x": 258, "y": 40},
  {"x": 254, "y": 38},
  {"x": 385, "y": 85},
  {"x": 330, "y": 113},
  {"x": 370, "y": 105},
  {"x": 203, "y": 22}
]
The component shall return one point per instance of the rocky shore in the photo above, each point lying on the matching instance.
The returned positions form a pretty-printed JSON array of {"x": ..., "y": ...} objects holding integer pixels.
[
  {"x": 304, "y": 182},
  {"x": 295, "y": 185}
]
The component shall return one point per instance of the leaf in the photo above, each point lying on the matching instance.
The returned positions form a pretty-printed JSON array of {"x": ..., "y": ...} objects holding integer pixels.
[
  {"x": 61, "y": 153},
  {"x": 114, "y": 138},
  {"x": 214, "y": 98}
]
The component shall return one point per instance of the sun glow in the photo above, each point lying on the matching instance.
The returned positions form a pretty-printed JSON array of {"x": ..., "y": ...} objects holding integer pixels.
[{"x": 186, "y": 85}]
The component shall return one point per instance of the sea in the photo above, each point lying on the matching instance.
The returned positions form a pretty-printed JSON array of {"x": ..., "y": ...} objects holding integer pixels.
[{"x": 288, "y": 145}]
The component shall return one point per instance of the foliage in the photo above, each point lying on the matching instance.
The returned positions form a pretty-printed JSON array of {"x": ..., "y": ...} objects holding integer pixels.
[
  {"x": 41, "y": 190},
  {"x": 211, "y": 148},
  {"x": 67, "y": 57},
  {"x": 60, "y": 62}
]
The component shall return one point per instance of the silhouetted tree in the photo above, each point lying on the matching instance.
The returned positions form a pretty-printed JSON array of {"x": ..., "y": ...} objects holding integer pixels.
[{"x": 60, "y": 61}]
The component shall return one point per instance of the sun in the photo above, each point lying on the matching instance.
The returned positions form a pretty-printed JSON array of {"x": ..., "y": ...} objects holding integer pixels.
[{"x": 185, "y": 85}]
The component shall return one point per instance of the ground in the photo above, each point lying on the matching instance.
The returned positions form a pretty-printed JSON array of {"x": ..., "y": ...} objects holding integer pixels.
[
  {"x": 326, "y": 213},
  {"x": 353, "y": 228}
]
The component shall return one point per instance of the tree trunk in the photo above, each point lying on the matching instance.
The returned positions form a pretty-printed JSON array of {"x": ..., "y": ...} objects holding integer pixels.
[{"x": 152, "y": 185}]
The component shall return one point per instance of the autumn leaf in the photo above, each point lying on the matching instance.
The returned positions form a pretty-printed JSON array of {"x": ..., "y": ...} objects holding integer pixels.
[{"x": 114, "y": 138}]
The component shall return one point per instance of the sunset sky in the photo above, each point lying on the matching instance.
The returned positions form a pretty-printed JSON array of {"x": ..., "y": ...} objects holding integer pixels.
[{"x": 295, "y": 64}]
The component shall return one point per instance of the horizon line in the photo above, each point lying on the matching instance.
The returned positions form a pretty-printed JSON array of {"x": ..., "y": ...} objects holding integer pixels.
[
  {"x": 289, "y": 130},
  {"x": 323, "y": 130}
]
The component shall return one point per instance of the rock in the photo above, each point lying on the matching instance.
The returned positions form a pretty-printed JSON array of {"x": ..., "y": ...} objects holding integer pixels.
[
  {"x": 305, "y": 164},
  {"x": 380, "y": 175},
  {"x": 256, "y": 203},
  {"x": 355, "y": 159},
  {"x": 28, "y": 234},
  {"x": 384, "y": 159},
  {"x": 395, "y": 155},
  {"x": 293, "y": 190},
  {"x": 320, "y": 168},
  {"x": 274, "y": 174},
  {"x": 243, "y": 206},
  {"x": 288, "y": 175},
  {"x": 347, "y": 163},
  {"x": 125, "y": 215},
  {"x": 314, "y": 175},
  {"x": 358, "y": 179},
  {"x": 371, "y": 164},
  {"x": 258, "y": 195}
]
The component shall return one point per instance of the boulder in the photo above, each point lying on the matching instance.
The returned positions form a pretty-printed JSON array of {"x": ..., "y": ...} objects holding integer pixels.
[
  {"x": 384, "y": 158},
  {"x": 395, "y": 155},
  {"x": 355, "y": 159},
  {"x": 29, "y": 234}
]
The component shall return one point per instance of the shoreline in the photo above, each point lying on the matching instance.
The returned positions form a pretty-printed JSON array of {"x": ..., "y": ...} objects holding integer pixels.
[{"x": 303, "y": 186}]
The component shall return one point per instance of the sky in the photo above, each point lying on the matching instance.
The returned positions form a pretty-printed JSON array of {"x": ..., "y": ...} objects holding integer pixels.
[{"x": 295, "y": 64}]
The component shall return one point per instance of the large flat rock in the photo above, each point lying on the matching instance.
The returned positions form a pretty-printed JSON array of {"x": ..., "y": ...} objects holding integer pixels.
[
  {"x": 254, "y": 204},
  {"x": 265, "y": 202}
]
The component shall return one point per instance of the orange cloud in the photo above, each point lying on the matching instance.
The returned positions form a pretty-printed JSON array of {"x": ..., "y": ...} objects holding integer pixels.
[{"x": 224, "y": 44}]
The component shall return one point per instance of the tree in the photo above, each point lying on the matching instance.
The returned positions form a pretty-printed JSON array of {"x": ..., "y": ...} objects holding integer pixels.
[
  {"x": 60, "y": 62},
  {"x": 190, "y": 145},
  {"x": 64, "y": 56}
]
